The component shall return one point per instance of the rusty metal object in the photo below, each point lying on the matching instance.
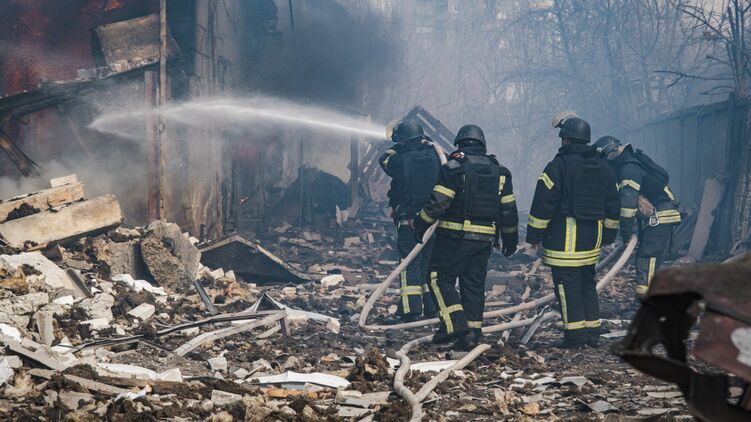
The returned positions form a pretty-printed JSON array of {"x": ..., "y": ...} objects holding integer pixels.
[{"x": 720, "y": 295}]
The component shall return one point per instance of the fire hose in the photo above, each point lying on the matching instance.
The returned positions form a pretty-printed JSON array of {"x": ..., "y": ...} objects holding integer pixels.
[
  {"x": 415, "y": 400},
  {"x": 367, "y": 308}
]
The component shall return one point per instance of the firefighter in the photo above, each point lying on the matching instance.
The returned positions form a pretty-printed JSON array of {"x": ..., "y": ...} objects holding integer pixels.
[
  {"x": 646, "y": 200},
  {"x": 413, "y": 165},
  {"x": 574, "y": 212},
  {"x": 474, "y": 201}
]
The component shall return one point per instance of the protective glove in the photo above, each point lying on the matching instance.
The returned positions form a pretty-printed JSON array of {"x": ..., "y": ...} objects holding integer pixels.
[
  {"x": 508, "y": 249},
  {"x": 420, "y": 227},
  {"x": 608, "y": 237}
]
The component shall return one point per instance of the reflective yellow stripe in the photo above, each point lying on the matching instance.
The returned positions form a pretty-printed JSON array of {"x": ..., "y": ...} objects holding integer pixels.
[
  {"x": 467, "y": 227},
  {"x": 426, "y": 217},
  {"x": 454, "y": 308},
  {"x": 564, "y": 307},
  {"x": 611, "y": 224},
  {"x": 669, "y": 193},
  {"x": 592, "y": 324},
  {"x": 450, "y": 225},
  {"x": 668, "y": 213},
  {"x": 538, "y": 223},
  {"x": 411, "y": 290},
  {"x": 651, "y": 272},
  {"x": 555, "y": 262},
  {"x": 572, "y": 255},
  {"x": 405, "y": 299},
  {"x": 474, "y": 324},
  {"x": 578, "y": 325},
  {"x": 599, "y": 235},
  {"x": 628, "y": 212},
  {"x": 508, "y": 199},
  {"x": 642, "y": 289},
  {"x": 391, "y": 153},
  {"x": 669, "y": 216},
  {"x": 442, "y": 310},
  {"x": 445, "y": 191},
  {"x": 509, "y": 230},
  {"x": 630, "y": 183},
  {"x": 474, "y": 228},
  {"x": 547, "y": 181},
  {"x": 570, "y": 235},
  {"x": 425, "y": 289},
  {"x": 501, "y": 183}
]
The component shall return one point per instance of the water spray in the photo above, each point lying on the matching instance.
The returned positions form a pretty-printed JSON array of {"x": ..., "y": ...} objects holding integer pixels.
[{"x": 240, "y": 113}]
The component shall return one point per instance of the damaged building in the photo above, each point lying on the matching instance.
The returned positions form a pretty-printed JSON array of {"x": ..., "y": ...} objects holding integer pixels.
[{"x": 195, "y": 217}]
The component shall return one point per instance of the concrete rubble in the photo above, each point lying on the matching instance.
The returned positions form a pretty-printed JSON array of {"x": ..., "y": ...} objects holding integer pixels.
[{"x": 127, "y": 334}]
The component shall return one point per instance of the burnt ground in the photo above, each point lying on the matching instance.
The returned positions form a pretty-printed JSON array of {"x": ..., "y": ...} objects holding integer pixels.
[{"x": 509, "y": 382}]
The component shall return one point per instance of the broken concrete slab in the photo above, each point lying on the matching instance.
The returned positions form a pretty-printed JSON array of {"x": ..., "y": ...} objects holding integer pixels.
[
  {"x": 332, "y": 280},
  {"x": 44, "y": 327},
  {"x": 40, "y": 201},
  {"x": 50, "y": 274},
  {"x": 170, "y": 257},
  {"x": 143, "y": 311},
  {"x": 218, "y": 364},
  {"x": 223, "y": 398},
  {"x": 118, "y": 370},
  {"x": 97, "y": 323},
  {"x": 121, "y": 257},
  {"x": 292, "y": 379},
  {"x": 39, "y": 355},
  {"x": 250, "y": 261},
  {"x": 99, "y": 306},
  {"x": 6, "y": 372},
  {"x": 138, "y": 285},
  {"x": 63, "y": 180},
  {"x": 67, "y": 223}
]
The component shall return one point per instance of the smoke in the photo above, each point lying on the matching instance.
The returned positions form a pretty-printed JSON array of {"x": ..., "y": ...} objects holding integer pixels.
[
  {"x": 261, "y": 115},
  {"x": 334, "y": 54}
]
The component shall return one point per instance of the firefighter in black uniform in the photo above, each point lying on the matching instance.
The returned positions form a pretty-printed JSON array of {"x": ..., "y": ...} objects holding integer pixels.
[
  {"x": 474, "y": 201},
  {"x": 645, "y": 199},
  {"x": 574, "y": 212},
  {"x": 413, "y": 165}
]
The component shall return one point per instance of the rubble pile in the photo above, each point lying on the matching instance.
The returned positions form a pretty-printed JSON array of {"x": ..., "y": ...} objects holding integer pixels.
[{"x": 99, "y": 321}]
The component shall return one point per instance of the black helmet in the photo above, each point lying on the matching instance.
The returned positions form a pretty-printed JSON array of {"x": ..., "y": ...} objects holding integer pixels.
[
  {"x": 606, "y": 145},
  {"x": 575, "y": 129},
  {"x": 470, "y": 133},
  {"x": 406, "y": 131}
]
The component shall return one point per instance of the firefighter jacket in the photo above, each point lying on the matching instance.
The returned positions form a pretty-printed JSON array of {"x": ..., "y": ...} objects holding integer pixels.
[
  {"x": 575, "y": 208},
  {"x": 413, "y": 167},
  {"x": 637, "y": 177},
  {"x": 473, "y": 199}
]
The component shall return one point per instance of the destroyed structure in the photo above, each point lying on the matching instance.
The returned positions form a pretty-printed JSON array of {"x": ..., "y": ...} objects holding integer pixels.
[{"x": 247, "y": 278}]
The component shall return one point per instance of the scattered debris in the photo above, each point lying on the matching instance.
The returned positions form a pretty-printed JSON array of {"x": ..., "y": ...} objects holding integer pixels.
[{"x": 251, "y": 262}]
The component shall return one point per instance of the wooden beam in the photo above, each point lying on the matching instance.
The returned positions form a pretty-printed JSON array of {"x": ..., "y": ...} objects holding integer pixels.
[{"x": 25, "y": 165}]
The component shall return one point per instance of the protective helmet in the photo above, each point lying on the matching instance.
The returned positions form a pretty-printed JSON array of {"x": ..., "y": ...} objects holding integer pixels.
[
  {"x": 470, "y": 133},
  {"x": 560, "y": 117},
  {"x": 575, "y": 129},
  {"x": 406, "y": 131},
  {"x": 606, "y": 145}
]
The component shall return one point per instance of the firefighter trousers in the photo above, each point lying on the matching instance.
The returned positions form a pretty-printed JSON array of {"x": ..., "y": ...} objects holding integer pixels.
[
  {"x": 414, "y": 295},
  {"x": 466, "y": 260},
  {"x": 576, "y": 290},
  {"x": 654, "y": 242}
]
